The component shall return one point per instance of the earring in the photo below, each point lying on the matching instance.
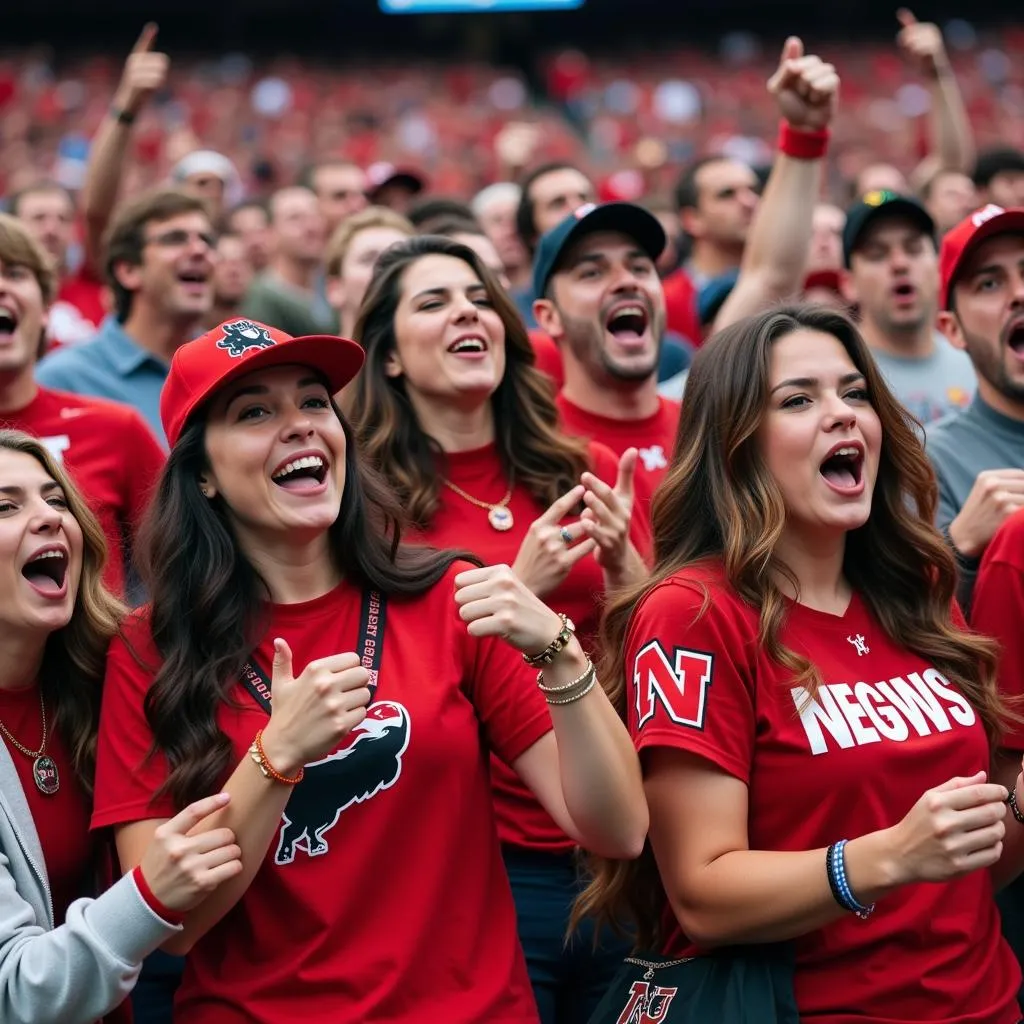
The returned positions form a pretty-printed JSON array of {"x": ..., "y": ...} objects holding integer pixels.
[{"x": 204, "y": 491}]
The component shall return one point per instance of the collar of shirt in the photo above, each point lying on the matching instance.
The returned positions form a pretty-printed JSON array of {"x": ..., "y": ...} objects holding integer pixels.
[{"x": 124, "y": 352}]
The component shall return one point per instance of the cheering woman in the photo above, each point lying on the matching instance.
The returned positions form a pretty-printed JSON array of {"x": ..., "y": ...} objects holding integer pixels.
[
  {"x": 66, "y": 959},
  {"x": 450, "y": 409},
  {"x": 345, "y": 690},
  {"x": 816, "y": 725}
]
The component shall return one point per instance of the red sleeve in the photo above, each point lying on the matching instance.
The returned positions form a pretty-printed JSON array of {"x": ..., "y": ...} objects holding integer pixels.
[
  {"x": 503, "y": 690},
  {"x": 997, "y": 610},
  {"x": 605, "y": 466},
  {"x": 127, "y": 776},
  {"x": 687, "y": 684},
  {"x": 681, "y": 306},
  {"x": 143, "y": 468},
  {"x": 549, "y": 359}
]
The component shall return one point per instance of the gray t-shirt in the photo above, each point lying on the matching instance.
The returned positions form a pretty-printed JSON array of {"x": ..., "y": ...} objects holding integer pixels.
[
  {"x": 933, "y": 387},
  {"x": 962, "y": 446}
]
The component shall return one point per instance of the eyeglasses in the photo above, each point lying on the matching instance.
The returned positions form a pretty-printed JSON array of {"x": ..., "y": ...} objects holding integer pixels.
[{"x": 177, "y": 238}]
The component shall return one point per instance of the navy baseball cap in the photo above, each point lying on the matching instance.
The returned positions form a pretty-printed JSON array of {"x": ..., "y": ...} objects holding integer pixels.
[
  {"x": 628, "y": 218},
  {"x": 882, "y": 203}
]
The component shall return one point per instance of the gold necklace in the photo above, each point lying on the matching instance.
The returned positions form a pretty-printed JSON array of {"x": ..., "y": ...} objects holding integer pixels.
[
  {"x": 44, "y": 768},
  {"x": 498, "y": 514}
]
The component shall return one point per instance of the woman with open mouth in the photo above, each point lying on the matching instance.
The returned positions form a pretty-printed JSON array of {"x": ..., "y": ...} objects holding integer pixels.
[
  {"x": 66, "y": 959},
  {"x": 346, "y": 690},
  {"x": 450, "y": 409},
  {"x": 816, "y": 726}
]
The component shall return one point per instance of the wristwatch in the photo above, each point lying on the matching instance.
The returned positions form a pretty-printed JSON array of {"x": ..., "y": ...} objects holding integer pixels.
[{"x": 565, "y": 634}]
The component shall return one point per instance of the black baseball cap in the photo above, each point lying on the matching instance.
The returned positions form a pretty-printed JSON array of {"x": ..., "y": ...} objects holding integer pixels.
[
  {"x": 882, "y": 203},
  {"x": 632, "y": 220}
]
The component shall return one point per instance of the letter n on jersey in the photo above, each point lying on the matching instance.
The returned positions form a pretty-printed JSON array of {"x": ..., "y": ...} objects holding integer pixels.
[{"x": 679, "y": 683}]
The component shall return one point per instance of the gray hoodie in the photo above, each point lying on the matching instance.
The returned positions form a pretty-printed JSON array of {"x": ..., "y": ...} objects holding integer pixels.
[{"x": 80, "y": 971}]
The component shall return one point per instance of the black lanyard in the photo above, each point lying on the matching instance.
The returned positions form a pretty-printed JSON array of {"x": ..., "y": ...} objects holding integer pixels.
[{"x": 371, "y": 644}]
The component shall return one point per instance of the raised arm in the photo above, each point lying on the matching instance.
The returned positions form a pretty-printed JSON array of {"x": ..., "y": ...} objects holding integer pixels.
[
  {"x": 775, "y": 256},
  {"x": 145, "y": 71},
  {"x": 952, "y": 141}
]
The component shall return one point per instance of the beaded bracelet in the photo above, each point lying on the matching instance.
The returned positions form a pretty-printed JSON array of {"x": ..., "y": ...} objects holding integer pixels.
[
  {"x": 1012, "y": 801},
  {"x": 835, "y": 866},
  {"x": 262, "y": 762},
  {"x": 570, "y": 692}
]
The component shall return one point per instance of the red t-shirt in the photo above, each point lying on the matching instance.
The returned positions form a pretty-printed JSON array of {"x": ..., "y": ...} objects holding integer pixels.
[
  {"x": 654, "y": 436},
  {"x": 549, "y": 359},
  {"x": 61, "y": 819},
  {"x": 522, "y": 821},
  {"x": 111, "y": 455},
  {"x": 681, "y": 306},
  {"x": 79, "y": 308},
  {"x": 392, "y": 903},
  {"x": 997, "y": 610},
  {"x": 884, "y": 728}
]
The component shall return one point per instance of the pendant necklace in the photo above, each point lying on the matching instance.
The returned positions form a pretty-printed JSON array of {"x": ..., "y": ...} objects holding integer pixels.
[
  {"x": 498, "y": 514},
  {"x": 44, "y": 768}
]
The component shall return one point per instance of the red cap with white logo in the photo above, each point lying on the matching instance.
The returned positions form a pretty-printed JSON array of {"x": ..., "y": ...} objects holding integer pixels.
[
  {"x": 200, "y": 368},
  {"x": 957, "y": 244}
]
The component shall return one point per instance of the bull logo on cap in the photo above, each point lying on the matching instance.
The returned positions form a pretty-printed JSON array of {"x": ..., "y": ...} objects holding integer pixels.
[{"x": 242, "y": 335}]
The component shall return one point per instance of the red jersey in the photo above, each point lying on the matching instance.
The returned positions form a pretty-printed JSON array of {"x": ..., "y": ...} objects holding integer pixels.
[
  {"x": 79, "y": 308},
  {"x": 653, "y": 436},
  {"x": 110, "y": 453},
  {"x": 383, "y": 897},
  {"x": 62, "y": 818},
  {"x": 997, "y": 610},
  {"x": 884, "y": 727},
  {"x": 522, "y": 821},
  {"x": 681, "y": 306}
]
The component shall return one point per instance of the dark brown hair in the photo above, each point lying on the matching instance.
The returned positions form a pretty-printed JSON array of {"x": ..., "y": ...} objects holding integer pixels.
[
  {"x": 530, "y": 445},
  {"x": 207, "y": 598},
  {"x": 126, "y": 238},
  {"x": 718, "y": 501},
  {"x": 75, "y": 656}
]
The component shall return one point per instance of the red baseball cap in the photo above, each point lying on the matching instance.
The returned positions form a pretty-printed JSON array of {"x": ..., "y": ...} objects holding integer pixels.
[
  {"x": 984, "y": 223},
  {"x": 200, "y": 368}
]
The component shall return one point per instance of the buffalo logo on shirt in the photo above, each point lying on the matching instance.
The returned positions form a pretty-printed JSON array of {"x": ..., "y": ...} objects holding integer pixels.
[
  {"x": 648, "y": 1004},
  {"x": 840, "y": 715},
  {"x": 368, "y": 762},
  {"x": 678, "y": 682},
  {"x": 242, "y": 335}
]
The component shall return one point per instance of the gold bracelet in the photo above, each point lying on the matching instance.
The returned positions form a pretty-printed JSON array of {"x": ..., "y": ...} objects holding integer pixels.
[
  {"x": 573, "y": 697},
  {"x": 578, "y": 681},
  {"x": 545, "y": 657},
  {"x": 262, "y": 762}
]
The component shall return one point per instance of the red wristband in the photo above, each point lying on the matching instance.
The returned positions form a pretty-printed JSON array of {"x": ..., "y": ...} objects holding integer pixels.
[
  {"x": 801, "y": 144},
  {"x": 158, "y": 908}
]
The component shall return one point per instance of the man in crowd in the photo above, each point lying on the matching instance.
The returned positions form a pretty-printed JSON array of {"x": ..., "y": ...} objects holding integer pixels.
[
  {"x": 250, "y": 221},
  {"x": 105, "y": 446},
  {"x": 892, "y": 278},
  {"x": 48, "y": 212},
  {"x": 340, "y": 188},
  {"x": 232, "y": 276},
  {"x": 999, "y": 177},
  {"x": 978, "y": 455},
  {"x": 602, "y": 304},
  {"x": 286, "y": 295},
  {"x": 159, "y": 260},
  {"x": 949, "y": 195},
  {"x": 495, "y": 210}
]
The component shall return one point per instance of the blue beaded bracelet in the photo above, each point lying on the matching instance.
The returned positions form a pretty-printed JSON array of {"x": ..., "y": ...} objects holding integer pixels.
[{"x": 835, "y": 865}]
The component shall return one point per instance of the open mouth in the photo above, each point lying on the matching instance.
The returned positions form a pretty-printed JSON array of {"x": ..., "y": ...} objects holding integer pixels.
[
  {"x": 843, "y": 467},
  {"x": 47, "y": 571},
  {"x": 301, "y": 472},
  {"x": 904, "y": 291},
  {"x": 1015, "y": 339},
  {"x": 472, "y": 345},
  {"x": 628, "y": 323},
  {"x": 194, "y": 277},
  {"x": 8, "y": 321}
]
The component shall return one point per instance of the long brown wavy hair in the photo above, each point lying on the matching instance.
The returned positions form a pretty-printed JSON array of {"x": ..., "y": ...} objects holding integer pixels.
[
  {"x": 207, "y": 597},
  {"x": 532, "y": 450},
  {"x": 719, "y": 502},
  {"x": 75, "y": 657}
]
